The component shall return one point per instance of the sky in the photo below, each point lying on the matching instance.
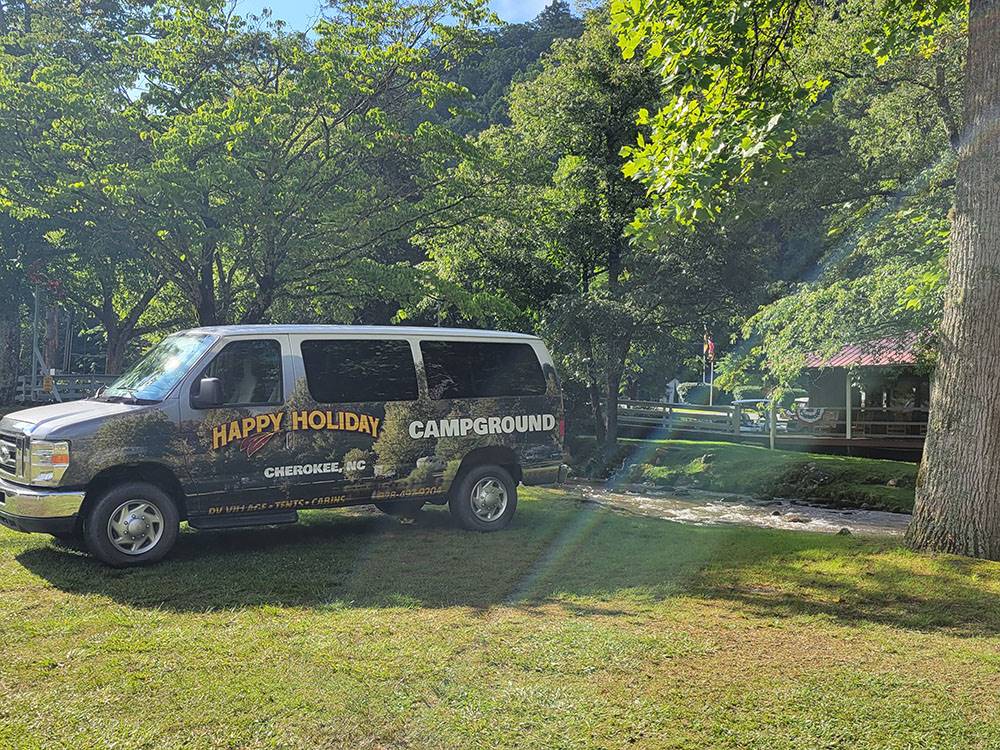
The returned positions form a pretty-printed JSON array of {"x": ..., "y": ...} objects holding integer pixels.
[{"x": 299, "y": 14}]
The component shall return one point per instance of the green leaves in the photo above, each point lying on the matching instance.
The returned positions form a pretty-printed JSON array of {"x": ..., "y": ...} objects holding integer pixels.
[
  {"x": 243, "y": 163},
  {"x": 733, "y": 84},
  {"x": 911, "y": 25},
  {"x": 726, "y": 85}
]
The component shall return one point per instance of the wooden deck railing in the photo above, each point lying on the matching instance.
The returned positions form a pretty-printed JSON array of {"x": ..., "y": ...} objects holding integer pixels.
[{"x": 901, "y": 422}]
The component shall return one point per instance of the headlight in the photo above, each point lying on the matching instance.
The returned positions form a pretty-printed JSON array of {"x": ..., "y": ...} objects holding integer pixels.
[{"x": 47, "y": 462}]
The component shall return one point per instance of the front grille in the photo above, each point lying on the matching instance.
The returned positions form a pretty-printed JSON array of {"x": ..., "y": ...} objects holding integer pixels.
[{"x": 9, "y": 458}]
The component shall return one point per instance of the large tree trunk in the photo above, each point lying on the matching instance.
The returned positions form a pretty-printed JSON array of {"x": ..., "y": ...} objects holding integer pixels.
[{"x": 958, "y": 489}]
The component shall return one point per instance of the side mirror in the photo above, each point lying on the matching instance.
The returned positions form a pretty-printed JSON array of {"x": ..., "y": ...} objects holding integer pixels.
[{"x": 208, "y": 395}]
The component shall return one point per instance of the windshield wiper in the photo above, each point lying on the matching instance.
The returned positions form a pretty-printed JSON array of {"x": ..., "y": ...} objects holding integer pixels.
[{"x": 132, "y": 397}]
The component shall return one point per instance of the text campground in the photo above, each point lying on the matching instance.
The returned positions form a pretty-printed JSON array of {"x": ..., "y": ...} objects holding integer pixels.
[{"x": 462, "y": 426}]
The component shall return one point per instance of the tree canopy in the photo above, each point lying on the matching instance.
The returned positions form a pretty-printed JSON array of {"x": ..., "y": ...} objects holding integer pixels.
[{"x": 620, "y": 183}]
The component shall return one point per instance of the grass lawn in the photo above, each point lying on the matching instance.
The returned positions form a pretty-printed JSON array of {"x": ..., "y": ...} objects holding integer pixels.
[
  {"x": 846, "y": 481},
  {"x": 578, "y": 627}
]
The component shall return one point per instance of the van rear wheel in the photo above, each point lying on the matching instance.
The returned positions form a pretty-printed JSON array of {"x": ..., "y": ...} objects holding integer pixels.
[
  {"x": 484, "y": 499},
  {"x": 135, "y": 523}
]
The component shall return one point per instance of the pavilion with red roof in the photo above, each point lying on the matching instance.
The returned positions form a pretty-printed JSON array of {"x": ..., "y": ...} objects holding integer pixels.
[{"x": 884, "y": 381}]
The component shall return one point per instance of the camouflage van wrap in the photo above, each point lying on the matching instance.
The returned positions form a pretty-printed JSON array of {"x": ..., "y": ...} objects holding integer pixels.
[
  {"x": 294, "y": 452},
  {"x": 318, "y": 455}
]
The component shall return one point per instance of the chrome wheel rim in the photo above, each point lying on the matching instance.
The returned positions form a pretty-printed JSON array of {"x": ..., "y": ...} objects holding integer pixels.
[
  {"x": 489, "y": 499},
  {"x": 135, "y": 527}
]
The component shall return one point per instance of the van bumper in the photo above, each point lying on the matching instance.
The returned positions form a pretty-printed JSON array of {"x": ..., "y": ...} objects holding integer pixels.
[
  {"x": 547, "y": 474},
  {"x": 50, "y": 511}
]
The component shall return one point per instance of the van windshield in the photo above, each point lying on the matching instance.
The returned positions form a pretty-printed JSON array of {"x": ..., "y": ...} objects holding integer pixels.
[{"x": 152, "y": 377}]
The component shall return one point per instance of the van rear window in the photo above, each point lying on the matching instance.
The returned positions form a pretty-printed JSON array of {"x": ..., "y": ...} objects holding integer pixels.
[
  {"x": 473, "y": 369},
  {"x": 347, "y": 371}
]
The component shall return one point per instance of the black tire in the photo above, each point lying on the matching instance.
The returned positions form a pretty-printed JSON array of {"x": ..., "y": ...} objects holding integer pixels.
[
  {"x": 98, "y": 535},
  {"x": 461, "y": 502},
  {"x": 404, "y": 508}
]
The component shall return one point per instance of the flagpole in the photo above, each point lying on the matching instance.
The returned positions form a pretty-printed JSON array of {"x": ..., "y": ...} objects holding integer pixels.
[{"x": 704, "y": 354}]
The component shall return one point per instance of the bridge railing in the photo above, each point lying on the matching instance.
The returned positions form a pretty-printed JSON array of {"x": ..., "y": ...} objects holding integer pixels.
[
  {"x": 60, "y": 387},
  {"x": 658, "y": 415},
  {"x": 749, "y": 417}
]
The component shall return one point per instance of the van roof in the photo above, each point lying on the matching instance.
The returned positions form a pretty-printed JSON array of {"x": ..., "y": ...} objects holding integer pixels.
[{"x": 423, "y": 332}]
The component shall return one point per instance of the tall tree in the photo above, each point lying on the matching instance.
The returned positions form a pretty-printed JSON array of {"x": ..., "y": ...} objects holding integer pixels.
[
  {"x": 16, "y": 254},
  {"x": 276, "y": 160},
  {"x": 507, "y": 55},
  {"x": 958, "y": 502},
  {"x": 63, "y": 139},
  {"x": 860, "y": 209},
  {"x": 237, "y": 162},
  {"x": 550, "y": 228},
  {"x": 958, "y": 490}
]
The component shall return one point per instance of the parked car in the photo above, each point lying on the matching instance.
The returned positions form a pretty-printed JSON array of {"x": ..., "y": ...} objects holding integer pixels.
[{"x": 244, "y": 426}]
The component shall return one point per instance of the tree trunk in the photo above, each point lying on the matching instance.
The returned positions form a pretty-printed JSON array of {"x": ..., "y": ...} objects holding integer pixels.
[
  {"x": 617, "y": 355},
  {"x": 10, "y": 350},
  {"x": 207, "y": 303},
  {"x": 114, "y": 357},
  {"x": 958, "y": 488},
  {"x": 206, "y": 307},
  {"x": 50, "y": 346},
  {"x": 595, "y": 408},
  {"x": 267, "y": 287},
  {"x": 611, "y": 434}
]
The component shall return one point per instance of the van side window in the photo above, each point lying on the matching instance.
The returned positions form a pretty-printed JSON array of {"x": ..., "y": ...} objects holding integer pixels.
[
  {"x": 345, "y": 371},
  {"x": 472, "y": 369},
  {"x": 249, "y": 371}
]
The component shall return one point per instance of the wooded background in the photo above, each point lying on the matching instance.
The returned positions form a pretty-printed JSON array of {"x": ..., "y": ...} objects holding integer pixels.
[{"x": 174, "y": 164}]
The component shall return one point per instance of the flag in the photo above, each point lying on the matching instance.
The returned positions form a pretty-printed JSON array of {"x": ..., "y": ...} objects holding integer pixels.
[{"x": 708, "y": 348}]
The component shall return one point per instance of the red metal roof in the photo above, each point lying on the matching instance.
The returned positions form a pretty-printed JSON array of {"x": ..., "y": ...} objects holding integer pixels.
[{"x": 879, "y": 353}]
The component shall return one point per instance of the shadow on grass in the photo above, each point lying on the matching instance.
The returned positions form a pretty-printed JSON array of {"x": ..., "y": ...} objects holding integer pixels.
[{"x": 558, "y": 549}]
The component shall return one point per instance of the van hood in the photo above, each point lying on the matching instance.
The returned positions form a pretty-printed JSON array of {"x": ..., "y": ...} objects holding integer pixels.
[{"x": 60, "y": 420}]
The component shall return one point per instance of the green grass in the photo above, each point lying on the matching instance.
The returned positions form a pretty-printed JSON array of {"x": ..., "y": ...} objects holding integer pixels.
[
  {"x": 576, "y": 628},
  {"x": 843, "y": 481}
]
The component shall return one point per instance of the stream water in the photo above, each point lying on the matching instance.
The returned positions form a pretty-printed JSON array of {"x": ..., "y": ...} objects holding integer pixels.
[{"x": 708, "y": 508}]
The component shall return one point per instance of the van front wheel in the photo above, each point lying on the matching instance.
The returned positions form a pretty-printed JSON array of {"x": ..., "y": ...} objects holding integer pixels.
[
  {"x": 135, "y": 523},
  {"x": 484, "y": 499}
]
